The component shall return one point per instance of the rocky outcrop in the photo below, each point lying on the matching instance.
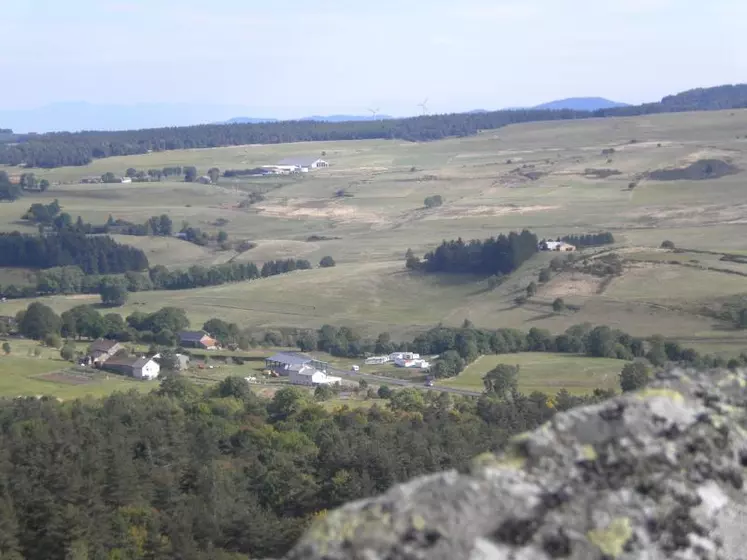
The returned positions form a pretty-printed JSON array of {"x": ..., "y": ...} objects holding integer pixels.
[{"x": 655, "y": 474}]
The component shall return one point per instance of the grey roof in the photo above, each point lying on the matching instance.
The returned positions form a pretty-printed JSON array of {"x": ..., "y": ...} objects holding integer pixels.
[
  {"x": 192, "y": 336},
  {"x": 299, "y": 161},
  {"x": 102, "y": 345},
  {"x": 290, "y": 358}
]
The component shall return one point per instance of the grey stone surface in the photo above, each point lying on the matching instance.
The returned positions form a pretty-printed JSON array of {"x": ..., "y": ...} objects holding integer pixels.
[{"x": 652, "y": 475}]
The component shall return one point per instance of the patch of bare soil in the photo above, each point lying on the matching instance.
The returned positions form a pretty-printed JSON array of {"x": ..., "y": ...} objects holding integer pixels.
[
  {"x": 699, "y": 170},
  {"x": 65, "y": 378},
  {"x": 568, "y": 284},
  {"x": 456, "y": 212},
  {"x": 321, "y": 209}
]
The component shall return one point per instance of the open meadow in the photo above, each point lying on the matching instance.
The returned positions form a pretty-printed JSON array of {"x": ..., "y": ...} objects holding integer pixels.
[
  {"x": 552, "y": 178},
  {"x": 547, "y": 373}
]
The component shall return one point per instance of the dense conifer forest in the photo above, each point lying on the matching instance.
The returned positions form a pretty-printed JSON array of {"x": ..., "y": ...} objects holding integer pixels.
[{"x": 63, "y": 148}]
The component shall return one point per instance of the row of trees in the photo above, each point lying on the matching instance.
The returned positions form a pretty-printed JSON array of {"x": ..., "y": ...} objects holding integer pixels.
[
  {"x": 58, "y": 149},
  {"x": 94, "y": 255},
  {"x": 589, "y": 239},
  {"x": 494, "y": 256},
  {"x": 75, "y": 280}
]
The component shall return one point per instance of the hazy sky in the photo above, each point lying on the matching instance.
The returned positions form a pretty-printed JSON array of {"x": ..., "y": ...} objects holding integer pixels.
[{"x": 290, "y": 58}]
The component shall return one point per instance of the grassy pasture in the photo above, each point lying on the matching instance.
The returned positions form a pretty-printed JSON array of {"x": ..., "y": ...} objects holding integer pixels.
[
  {"x": 484, "y": 181},
  {"x": 544, "y": 372},
  {"x": 48, "y": 374}
]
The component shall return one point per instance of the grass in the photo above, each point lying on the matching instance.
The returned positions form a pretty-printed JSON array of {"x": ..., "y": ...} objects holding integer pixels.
[
  {"x": 48, "y": 374},
  {"x": 547, "y": 373},
  {"x": 370, "y": 289}
]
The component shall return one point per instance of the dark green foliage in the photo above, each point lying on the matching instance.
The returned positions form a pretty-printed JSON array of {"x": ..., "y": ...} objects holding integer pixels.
[
  {"x": 271, "y": 268},
  {"x": 222, "y": 237},
  {"x": 558, "y": 305},
  {"x": 94, "y": 255},
  {"x": 531, "y": 289},
  {"x": 113, "y": 293},
  {"x": 327, "y": 262},
  {"x": 214, "y": 174},
  {"x": 6, "y": 348},
  {"x": 589, "y": 239},
  {"x": 67, "y": 352},
  {"x": 545, "y": 275},
  {"x": 8, "y": 191},
  {"x": 502, "y": 380},
  {"x": 190, "y": 174},
  {"x": 217, "y": 473},
  {"x": 666, "y": 244},
  {"x": 496, "y": 255},
  {"x": 634, "y": 376},
  {"x": 43, "y": 213},
  {"x": 38, "y": 321},
  {"x": 433, "y": 201}
]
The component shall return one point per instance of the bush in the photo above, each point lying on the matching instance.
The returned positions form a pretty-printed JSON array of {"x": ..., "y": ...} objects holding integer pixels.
[
  {"x": 558, "y": 305},
  {"x": 327, "y": 262},
  {"x": 52, "y": 340},
  {"x": 433, "y": 201},
  {"x": 67, "y": 352},
  {"x": 667, "y": 244},
  {"x": 634, "y": 376},
  {"x": 531, "y": 289},
  {"x": 384, "y": 392},
  {"x": 545, "y": 275},
  {"x": 6, "y": 347}
]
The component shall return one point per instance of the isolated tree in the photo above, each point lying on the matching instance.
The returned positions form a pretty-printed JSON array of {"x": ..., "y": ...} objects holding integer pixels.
[
  {"x": 67, "y": 352},
  {"x": 214, "y": 174},
  {"x": 501, "y": 380},
  {"x": 363, "y": 384},
  {"x": 558, "y": 305},
  {"x": 666, "y": 244},
  {"x": 190, "y": 174},
  {"x": 545, "y": 275},
  {"x": 6, "y": 348},
  {"x": 222, "y": 236},
  {"x": 113, "y": 294},
  {"x": 384, "y": 392},
  {"x": 52, "y": 340},
  {"x": 327, "y": 262},
  {"x": 38, "y": 321},
  {"x": 108, "y": 177},
  {"x": 131, "y": 173},
  {"x": 531, "y": 289},
  {"x": 43, "y": 185},
  {"x": 634, "y": 376}
]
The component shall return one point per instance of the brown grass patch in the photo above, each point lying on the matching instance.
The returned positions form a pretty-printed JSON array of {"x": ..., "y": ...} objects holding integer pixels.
[
  {"x": 456, "y": 212},
  {"x": 321, "y": 209},
  {"x": 568, "y": 284},
  {"x": 65, "y": 378}
]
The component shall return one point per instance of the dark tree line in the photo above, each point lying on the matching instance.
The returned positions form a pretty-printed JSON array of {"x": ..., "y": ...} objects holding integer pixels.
[
  {"x": 589, "y": 239},
  {"x": 218, "y": 473},
  {"x": 494, "y": 256},
  {"x": 64, "y": 148},
  {"x": 74, "y": 280},
  {"x": 94, "y": 255}
]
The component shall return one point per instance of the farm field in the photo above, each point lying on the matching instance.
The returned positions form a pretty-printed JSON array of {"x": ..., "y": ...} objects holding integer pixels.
[
  {"x": 48, "y": 374},
  {"x": 541, "y": 176},
  {"x": 545, "y": 372}
]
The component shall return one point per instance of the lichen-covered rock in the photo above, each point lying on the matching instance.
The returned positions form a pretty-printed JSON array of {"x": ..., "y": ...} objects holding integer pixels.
[{"x": 655, "y": 474}]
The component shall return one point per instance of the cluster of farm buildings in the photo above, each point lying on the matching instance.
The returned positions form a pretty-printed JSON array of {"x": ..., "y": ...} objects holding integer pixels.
[
  {"x": 300, "y": 369},
  {"x": 289, "y": 166},
  {"x": 400, "y": 359},
  {"x": 110, "y": 355}
]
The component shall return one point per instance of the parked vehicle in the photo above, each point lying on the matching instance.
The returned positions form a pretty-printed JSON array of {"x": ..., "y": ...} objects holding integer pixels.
[{"x": 355, "y": 368}]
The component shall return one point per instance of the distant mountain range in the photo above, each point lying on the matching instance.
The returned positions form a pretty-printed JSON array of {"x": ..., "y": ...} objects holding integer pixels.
[
  {"x": 574, "y": 104},
  {"x": 581, "y": 104}
]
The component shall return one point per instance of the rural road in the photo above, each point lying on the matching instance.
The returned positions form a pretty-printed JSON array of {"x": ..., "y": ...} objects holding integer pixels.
[{"x": 383, "y": 380}]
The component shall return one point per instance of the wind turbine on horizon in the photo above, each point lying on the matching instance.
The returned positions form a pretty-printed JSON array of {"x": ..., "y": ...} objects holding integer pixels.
[
  {"x": 424, "y": 106},
  {"x": 374, "y": 112}
]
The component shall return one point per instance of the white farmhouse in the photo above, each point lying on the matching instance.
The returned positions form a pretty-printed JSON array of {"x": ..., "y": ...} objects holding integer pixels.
[
  {"x": 304, "y": 164},
  {"x": 311, "y": 377}
]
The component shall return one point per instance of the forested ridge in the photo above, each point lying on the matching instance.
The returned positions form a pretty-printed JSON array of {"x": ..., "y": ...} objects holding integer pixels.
[
  {"x": 220, "y": 474},
  {"x": 63, "y": 148}
]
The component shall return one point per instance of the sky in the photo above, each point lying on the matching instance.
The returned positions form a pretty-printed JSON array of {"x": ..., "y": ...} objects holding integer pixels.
[{"x": 291, "y": 58}]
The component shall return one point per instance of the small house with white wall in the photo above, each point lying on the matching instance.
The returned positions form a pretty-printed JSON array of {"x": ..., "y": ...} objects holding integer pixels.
[
  {"x": 412, "y": 364},
  {"x": 311, "y": 377},
  {"x": 304, "y": 164},
  {"x": 377, "y": 360},
  {"x": 556, "y": 246},
  {"x": 394, "y": 356}
]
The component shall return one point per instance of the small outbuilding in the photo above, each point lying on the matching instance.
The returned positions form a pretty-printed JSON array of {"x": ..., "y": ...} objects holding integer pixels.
[{"x": 197, "y": 339}]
